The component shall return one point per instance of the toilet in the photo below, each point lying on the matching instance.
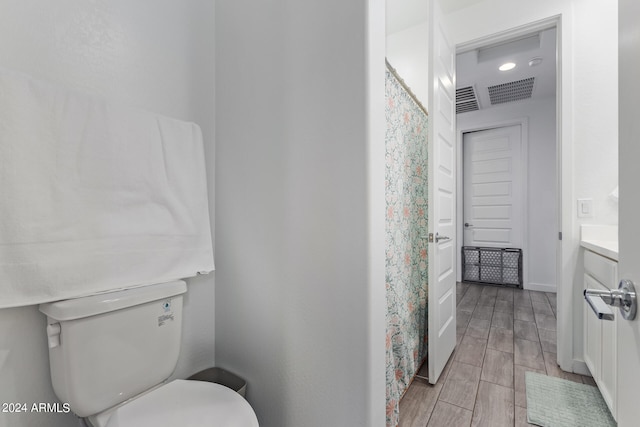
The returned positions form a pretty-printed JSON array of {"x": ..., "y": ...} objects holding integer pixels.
[{"x": 111, "y": 354}]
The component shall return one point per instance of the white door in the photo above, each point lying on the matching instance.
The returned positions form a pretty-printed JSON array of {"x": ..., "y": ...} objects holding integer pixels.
[
  {"x": 628, "y": 335},
  {"x": 492, "y": 186},
  {"x": 442, "y": 253}
]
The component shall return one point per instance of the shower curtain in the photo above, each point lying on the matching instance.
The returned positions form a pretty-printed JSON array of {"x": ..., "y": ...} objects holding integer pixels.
[{"x": 406, "y": 245}]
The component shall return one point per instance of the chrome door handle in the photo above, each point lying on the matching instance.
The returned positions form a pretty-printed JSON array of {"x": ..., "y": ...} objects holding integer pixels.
[
  {"x": 624, "y": 298},
  {"x": 439, "y": 237},
  {"x": 628, "y": 301},
  {"x": 466, "y": 224},
  {"x": 595, "y": 299}
]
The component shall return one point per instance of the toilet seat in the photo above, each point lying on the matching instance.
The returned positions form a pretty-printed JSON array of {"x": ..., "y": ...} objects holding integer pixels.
[{"x": 187, "y": 404}]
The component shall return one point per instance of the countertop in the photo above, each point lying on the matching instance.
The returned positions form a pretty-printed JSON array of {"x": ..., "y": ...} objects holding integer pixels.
[
  {"x": 606, "y": 248},
  {"x": 601, "y": 239}
]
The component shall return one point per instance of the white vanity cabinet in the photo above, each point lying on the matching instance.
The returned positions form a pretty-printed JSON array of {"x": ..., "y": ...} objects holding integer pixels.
[{"x": 600, "y": 335}]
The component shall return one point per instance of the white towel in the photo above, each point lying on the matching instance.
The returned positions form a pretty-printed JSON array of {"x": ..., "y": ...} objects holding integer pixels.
[{"x": 95, "y": 196}]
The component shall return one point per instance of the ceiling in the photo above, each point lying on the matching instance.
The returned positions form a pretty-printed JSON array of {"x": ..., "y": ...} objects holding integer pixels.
[{"x": 478, "y": 68}]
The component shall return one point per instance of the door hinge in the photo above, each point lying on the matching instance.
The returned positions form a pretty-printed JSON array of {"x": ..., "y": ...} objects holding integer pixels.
[{"x": 560, "y": 235}]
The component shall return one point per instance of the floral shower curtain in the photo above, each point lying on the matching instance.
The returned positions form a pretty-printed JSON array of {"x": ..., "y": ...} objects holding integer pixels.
[{"x": 406, "y": 247}]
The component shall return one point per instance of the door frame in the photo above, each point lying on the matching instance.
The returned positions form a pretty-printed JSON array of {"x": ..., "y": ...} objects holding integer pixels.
[
  {"x": 567, "y": 245},
  {"x": 524, "y": 156}
]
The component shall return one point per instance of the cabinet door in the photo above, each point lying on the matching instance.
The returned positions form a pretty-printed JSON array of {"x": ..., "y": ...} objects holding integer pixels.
[
  {"x": 608, "y": 372},
  {"x": 600, "y": 348},
  {"x": 592, "y": 332}
]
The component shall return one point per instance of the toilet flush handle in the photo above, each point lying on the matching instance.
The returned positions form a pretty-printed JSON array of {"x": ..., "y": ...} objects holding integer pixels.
[{"x": 53, "y": 334}]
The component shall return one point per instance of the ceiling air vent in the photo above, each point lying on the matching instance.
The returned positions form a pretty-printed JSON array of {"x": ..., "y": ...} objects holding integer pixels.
[
  {"x": 466, "y": 100},
  {"x": 512, "y": 91}
]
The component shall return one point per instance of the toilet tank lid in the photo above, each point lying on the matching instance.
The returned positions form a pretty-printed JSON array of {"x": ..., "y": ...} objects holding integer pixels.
[{"x": 111, "y": 301}]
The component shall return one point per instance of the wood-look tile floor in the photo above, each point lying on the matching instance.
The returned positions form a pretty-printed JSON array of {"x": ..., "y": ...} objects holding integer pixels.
[{"x": 502, "y": 333}]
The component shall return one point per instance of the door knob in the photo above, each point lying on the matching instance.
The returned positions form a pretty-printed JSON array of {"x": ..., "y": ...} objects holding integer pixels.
[
  {"x": 466, "y": 224},
  {"x": 595, "y": 298},
  {"x": 439, "y": 237},
  {"x": 624, "y": 298}
]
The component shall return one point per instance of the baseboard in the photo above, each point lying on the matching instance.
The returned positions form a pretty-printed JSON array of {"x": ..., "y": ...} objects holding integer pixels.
[
  {"x": 541, "y": 287},
  {"x": 579, "y": 367}
]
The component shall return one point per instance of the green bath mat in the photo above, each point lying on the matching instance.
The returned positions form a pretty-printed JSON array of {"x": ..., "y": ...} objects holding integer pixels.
[{"x": 554, "y": 402}]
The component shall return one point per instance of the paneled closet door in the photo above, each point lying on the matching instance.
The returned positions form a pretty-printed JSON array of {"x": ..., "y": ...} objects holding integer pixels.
[{"x": 442, "y": 194}]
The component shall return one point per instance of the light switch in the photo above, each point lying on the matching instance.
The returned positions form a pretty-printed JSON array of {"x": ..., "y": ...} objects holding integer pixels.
[{"x": 585, "y": 208}]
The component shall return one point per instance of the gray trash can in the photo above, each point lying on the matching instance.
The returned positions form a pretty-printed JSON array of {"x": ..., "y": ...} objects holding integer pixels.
[{"x": 223, "y": 377}]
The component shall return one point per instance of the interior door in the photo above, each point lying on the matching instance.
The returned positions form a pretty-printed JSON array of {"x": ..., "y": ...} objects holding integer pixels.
[
  {"x": 493, "y": 190},
  {"x": 442, "y": 152},
  {"x": 628, "y": 331}
]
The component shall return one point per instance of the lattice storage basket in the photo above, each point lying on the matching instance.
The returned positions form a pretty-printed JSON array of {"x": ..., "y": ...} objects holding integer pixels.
[{"x": 498, "y": 266}]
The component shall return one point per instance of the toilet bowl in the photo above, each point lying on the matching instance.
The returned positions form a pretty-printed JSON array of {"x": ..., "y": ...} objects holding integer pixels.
[
  {"x": 111, "y": 355},
  {"x": 181, "y": 403}
]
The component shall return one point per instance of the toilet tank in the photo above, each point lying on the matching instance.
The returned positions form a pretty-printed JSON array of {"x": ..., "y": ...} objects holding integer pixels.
[{"x": 107, "y": 348}]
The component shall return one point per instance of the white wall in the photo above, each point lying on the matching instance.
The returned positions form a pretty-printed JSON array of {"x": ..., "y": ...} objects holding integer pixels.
[
  {"x": 407, "y": 52},
  {"x": 300, "y": 301},
  {"x": 589, "y": 124},
  {"x": 155, "y": 55},
  {"x": 542, "y": 199}
]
